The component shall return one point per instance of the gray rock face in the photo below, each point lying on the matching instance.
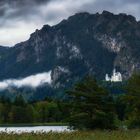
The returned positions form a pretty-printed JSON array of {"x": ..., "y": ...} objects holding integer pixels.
[{"x": 83, "y": 44}]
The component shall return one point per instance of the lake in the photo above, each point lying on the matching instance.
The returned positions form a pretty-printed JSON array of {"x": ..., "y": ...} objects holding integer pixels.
[{"x": 34, "y": 129}]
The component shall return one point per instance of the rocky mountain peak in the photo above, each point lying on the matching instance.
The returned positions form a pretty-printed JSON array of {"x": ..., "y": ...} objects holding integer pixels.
[
  {"x": 107, "y": 13},
  {"x": 82, "y": 44}
]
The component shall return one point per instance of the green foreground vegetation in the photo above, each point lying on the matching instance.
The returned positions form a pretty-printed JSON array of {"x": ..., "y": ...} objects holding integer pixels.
[
  {"x": 89, "y": 106},
  {"x": 91, "y": 135},
  {"x": 34, "y": 124}
]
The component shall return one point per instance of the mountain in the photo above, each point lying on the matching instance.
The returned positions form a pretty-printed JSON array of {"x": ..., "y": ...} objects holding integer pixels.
[{"x": 82, "y": 44}]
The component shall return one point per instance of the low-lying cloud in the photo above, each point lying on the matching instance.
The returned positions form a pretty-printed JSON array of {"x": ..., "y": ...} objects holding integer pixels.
[{"x": 32, "y": 81}]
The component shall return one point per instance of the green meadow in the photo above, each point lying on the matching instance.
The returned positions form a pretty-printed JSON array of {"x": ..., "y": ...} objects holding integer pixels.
[{"x": 79, "y": 135}]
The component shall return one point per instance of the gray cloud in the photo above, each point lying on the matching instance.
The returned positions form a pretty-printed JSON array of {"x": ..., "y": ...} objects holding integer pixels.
[
  {"x": 19, "y": 9},
  {"x": 19, "y": 18}
]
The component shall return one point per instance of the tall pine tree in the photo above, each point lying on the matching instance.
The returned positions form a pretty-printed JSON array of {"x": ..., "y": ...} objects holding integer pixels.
[{"x": 92, "y": 107}]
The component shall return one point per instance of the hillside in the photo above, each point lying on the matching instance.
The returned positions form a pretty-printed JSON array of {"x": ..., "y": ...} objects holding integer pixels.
[{"x": 82, "y": 44}]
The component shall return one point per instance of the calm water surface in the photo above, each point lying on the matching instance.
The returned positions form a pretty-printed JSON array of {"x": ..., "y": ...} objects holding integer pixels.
[{"x": 34, "y": 129}]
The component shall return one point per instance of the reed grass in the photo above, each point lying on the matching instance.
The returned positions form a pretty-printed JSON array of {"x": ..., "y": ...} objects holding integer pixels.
[{"x": 78, "y": 135}]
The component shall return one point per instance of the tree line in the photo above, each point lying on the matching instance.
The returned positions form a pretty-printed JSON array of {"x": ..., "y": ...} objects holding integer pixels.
[
  {"x": 94, "y": 107},
  {"x": 89, "y": 106},
  {"x": 20, "y": 111}
]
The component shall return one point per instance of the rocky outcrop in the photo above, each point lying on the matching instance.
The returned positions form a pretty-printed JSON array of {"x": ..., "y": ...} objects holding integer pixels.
[{"x": 80, "y": 45}]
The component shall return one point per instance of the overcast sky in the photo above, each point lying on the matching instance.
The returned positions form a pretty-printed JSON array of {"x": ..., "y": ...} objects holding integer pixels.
[{"x": 19, "y": 18}]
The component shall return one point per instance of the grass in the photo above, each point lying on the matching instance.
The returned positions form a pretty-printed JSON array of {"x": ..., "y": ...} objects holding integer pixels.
[{"x": 93, "y": 135}]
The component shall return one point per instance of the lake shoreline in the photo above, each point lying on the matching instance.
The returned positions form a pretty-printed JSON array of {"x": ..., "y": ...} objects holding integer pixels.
[{"x": 33, "y": 124}]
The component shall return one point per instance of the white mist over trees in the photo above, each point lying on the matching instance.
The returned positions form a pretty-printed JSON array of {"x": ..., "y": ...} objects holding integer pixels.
[{"x": 32, "y": 81}]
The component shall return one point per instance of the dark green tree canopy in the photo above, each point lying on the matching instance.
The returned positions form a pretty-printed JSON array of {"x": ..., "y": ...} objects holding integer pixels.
[{"x": 91, "y": 105}]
